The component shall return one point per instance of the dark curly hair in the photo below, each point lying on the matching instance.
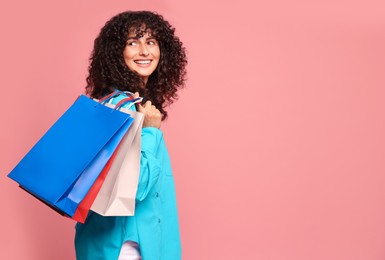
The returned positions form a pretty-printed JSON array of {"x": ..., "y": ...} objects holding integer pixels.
[{"x": 108, "y": 70}]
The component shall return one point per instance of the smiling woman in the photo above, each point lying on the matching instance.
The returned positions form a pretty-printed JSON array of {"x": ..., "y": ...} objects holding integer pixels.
[
  {"x": 138, "y": 52},
  {"x": 142, "y": 54},
  {"x": 122, "y": 51}
]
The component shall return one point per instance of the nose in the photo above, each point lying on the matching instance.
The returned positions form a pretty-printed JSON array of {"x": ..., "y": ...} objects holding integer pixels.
[{"x": 143, "y": 50}]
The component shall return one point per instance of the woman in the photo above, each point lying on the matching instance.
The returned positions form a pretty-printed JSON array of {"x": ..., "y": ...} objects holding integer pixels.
[{"x": 138, "y": 52}]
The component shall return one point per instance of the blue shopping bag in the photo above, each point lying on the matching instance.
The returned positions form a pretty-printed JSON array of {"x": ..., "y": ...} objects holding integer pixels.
[{"x": 65, "y": 162}]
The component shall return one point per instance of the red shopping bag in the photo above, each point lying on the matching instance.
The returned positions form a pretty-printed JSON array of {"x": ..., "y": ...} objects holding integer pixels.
[{"x": 84, "y": 207}]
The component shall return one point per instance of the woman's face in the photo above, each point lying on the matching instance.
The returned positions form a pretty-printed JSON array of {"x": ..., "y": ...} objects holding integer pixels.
[{"x": 142, "y": 54}]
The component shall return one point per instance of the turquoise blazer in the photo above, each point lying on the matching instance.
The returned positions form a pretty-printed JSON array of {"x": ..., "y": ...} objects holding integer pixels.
[{"x": 155, "y": 224}]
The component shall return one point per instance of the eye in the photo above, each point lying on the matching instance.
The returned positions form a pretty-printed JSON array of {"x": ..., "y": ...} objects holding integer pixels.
[
  {"x": 152, "y": 42},
  {"x": 131, "y": 43}
]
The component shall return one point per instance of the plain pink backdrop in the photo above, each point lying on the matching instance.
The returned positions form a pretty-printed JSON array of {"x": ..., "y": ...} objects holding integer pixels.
[{"x": 277, "y": 143}]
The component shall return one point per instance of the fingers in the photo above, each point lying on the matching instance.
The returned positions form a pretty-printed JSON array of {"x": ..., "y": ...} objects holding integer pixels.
[
  {"x": 148, "y": 107},
  {"x": 152, "y": 115},
  {"x": 148, "y": 103},
  {"x": 136, "y": 95},
  {"x": 139, "y": 107},
  {"x": 145, "y": 107}
]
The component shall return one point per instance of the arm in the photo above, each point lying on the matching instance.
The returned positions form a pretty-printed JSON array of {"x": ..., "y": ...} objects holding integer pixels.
[
  {"x": 151, "y": 138},
  {"x": 149, "y": 164}
]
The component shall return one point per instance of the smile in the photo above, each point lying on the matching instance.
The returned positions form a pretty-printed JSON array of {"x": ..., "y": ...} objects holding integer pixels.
[{"x": 142, "y": 61}]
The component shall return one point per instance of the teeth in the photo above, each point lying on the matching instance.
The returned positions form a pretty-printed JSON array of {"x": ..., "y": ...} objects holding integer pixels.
[{"x": 142, "y": 61}]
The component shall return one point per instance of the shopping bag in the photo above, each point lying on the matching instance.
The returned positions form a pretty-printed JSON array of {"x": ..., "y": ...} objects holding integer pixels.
[
  {"x": 84, "y": 207},
  {"x": 117, "y": 194},
  {"x": 64, "y": 163}
]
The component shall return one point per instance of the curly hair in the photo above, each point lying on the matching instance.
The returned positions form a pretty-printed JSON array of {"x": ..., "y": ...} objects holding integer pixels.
[{"x": 108, "y": 70}]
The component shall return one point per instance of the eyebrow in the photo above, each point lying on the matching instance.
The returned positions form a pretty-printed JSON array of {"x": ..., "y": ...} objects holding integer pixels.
[{"x": 136, "y": 38}]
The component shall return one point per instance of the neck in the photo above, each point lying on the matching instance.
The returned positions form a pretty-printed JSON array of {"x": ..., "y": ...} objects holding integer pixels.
[{"x": 144, "y": 81}]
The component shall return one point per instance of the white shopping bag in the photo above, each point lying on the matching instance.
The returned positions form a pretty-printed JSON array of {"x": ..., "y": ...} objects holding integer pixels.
[{"x": 117, "y": 194}]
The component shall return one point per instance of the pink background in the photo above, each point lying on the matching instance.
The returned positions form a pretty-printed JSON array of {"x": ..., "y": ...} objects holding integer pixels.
[{"x": 277, "y": 143}]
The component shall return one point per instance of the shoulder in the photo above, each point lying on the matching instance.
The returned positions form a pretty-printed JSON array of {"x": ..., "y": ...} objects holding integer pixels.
[{"x": 116, "y": 100}]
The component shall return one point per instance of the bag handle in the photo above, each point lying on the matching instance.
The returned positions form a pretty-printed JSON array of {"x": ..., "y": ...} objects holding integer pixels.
[
  {"x": 113, "y": 94},
  {"x": 128, "y": 100},
  {"x": 109, "y": 96}
]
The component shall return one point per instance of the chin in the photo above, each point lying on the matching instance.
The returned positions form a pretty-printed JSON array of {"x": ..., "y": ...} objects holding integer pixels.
[{"x": 145, "y": 74}]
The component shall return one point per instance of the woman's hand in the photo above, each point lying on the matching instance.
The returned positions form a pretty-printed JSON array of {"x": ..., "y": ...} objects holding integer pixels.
[{"x": 152, "y": 116}]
